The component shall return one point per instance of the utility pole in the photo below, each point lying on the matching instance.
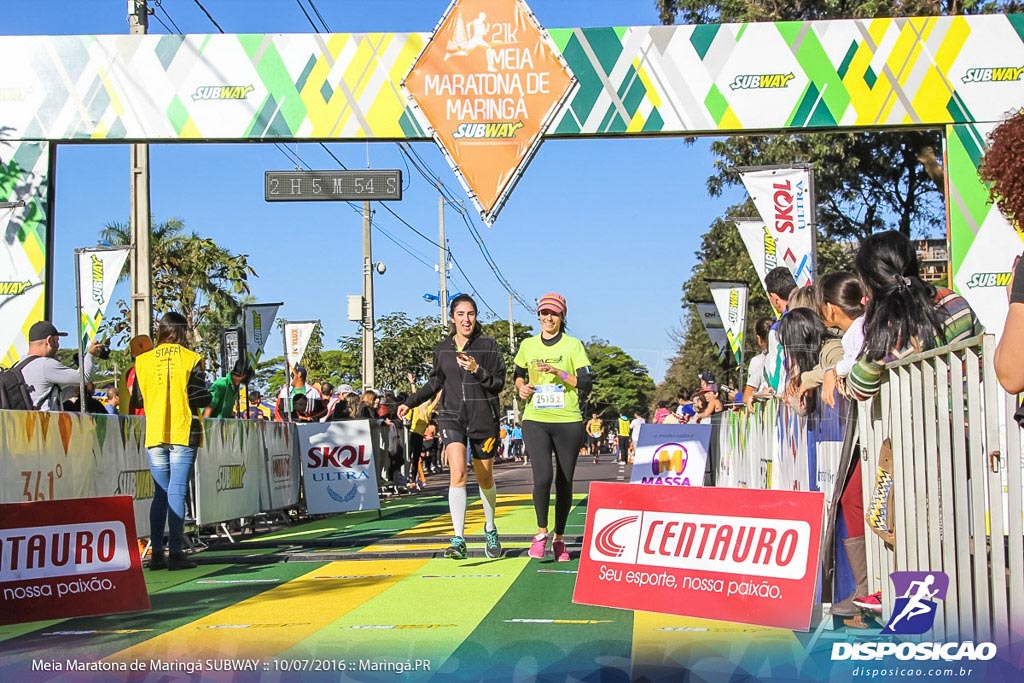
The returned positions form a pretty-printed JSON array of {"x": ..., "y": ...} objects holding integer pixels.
[
  {"x": 368, "y": 379},
  {"x": 512, "y": 350},
  {"x": 139, "y": 220},
  {"x": 443, "y": 266}
]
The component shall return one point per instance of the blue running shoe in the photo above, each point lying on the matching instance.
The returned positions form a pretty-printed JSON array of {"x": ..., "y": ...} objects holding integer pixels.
[
  {"x": 492, "y": 546},
  {"x": 457, "y": 550}
]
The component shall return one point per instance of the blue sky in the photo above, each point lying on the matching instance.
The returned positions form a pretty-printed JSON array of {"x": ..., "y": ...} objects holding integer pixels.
[{"x": 612, "y": 224}]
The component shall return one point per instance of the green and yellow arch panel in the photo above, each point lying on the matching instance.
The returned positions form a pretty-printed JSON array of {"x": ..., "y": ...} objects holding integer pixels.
[{"x": 641, "y": 80}]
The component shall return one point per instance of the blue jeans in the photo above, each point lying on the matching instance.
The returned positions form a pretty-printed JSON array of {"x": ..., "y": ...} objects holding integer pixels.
[{"x": 170, "y": 466}]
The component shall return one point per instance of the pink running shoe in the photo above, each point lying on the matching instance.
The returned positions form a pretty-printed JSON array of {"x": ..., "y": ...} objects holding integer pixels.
[
  {"x": 559, "y": 551},
  {"x": 871, "y": 602},
  {"x": 537, "y": 547}
]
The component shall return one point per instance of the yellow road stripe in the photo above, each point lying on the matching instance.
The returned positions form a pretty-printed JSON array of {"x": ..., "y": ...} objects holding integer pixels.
[{"x": 277, "y": 619}]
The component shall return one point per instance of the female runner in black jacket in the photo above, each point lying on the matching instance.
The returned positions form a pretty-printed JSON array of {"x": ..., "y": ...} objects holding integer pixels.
[{"x": 470, "y": 368}]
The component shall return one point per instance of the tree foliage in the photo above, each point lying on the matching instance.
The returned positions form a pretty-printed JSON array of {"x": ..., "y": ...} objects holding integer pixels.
[
  {"x": 622, "y": 385},
  {"x": 864, "y": 182},
  {"x": 192, "y": 275}
]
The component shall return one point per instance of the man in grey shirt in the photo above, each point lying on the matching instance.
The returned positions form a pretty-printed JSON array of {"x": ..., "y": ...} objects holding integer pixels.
[{"x": 45, "y": 375}]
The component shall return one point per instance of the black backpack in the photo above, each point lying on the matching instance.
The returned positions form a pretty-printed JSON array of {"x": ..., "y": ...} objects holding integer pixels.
[{"x": 14, "y": 392}]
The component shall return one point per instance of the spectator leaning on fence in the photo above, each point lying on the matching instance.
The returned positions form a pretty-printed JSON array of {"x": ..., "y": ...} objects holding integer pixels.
[
  {"x": 780, "y": 285},
  {"x": 44, "y": 374},
  {"x": 1003, "y": 167},
  {"x": 904, "y": 314}
]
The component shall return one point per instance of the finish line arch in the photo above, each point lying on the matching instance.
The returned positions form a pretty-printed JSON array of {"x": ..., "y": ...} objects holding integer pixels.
[{"x": 961, "y": 74}]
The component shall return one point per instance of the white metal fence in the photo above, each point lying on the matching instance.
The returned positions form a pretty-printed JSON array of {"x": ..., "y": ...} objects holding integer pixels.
[
  {"x": 958, "y": 467},
  {"x": 957, "y": 472}
]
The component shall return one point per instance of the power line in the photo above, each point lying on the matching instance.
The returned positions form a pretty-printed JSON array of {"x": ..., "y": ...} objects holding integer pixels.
[
  {"x": 315, "y": 27},
  {"x": 208, "y": 15},
  {"x": 166, "y": 27},
  {"x": 160, "y": 6},
  {"x": 318, "y": 16},
  {"x": 471, "y": 287}
]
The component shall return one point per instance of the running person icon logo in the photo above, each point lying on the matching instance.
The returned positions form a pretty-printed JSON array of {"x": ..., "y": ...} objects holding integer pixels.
[{"x": 914, "y": 609}]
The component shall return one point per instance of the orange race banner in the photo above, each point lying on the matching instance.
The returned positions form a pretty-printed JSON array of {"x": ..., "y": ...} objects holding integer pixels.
[
  {"x": 489, "y": 82},
  {"x": 69, "y": 558}
]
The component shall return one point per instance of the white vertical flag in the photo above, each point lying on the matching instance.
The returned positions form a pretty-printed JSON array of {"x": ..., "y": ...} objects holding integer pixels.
[
  {"x": 296, "y": 338},
  {"x": 783, "y": 199},
  {"x": 98, "y": 272},
  {"x": 760, "y": 245},
  {"x": 708, "y": 313},
  {"x": 258, "y": 321},
  {"x": 731, "y": 300}
]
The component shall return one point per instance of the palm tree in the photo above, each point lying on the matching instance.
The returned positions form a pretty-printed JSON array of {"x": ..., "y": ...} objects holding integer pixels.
[{"x": 193, "y": 275}]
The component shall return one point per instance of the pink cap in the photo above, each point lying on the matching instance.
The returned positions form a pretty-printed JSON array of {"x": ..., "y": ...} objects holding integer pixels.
[{"x": 552, "y": 301}]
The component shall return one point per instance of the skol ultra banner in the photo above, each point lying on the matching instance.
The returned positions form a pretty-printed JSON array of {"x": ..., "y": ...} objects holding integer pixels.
[
  {"x": 739, "y": 555},
  {"x": 783, "y": 198},
  {"x": 671, "y": 454},
  {"x": 296, "y": 338},
  {"x": 760, "y": 245},
  {"x": 69, "y": 558},
  {"x": 708, "y": 313},
  {"x": 258, "y": 321},
  {"x": 338, "y": 467},
  {"x": 489, "y": 82},
  {"x": 731, "y": 300},
  {"x": 98, "y": 272}
]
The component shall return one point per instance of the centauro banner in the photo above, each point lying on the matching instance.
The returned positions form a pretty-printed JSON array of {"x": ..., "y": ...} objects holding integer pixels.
[
  {"x": 98, "y": 272},
  {"x": 783, "y": 198},
  {"x": 760, "y": 245},
  {"x": 258, "y": 320},
  {"x": 731, "y": 300},
  {"x": 707, "y": 311},
  {"x": 489, "y": 82}
]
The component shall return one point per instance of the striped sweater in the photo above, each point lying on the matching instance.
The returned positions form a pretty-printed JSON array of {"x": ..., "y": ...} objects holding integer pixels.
[{"x": 960, "y": 323}]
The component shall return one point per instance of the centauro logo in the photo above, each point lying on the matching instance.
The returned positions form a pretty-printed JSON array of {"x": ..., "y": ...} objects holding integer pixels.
[
  {"x": 989, "y": 280},
  {"x": 995, "y": 74},
  {"x": 761, "y": 81},
  {"x": 222, "y": 92},
  {"x": 498, "y": 130},
  {"x": 8, "y": 288}
]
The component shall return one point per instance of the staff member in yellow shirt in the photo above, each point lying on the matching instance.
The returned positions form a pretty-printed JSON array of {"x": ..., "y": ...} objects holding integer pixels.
[{"x": 172, "y": 384}]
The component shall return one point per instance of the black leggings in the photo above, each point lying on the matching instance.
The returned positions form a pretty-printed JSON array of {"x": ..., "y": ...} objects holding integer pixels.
[{"x": 564, "y": 440}]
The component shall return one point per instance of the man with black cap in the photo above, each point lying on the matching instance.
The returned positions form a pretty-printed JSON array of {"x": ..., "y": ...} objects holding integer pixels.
[
  {"x": 225, "y": 391},
  {"x": 44, "y": 374}
]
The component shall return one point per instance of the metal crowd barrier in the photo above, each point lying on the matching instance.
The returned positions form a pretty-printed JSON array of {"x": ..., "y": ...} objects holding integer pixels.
[{"x": 957, "y": 474}]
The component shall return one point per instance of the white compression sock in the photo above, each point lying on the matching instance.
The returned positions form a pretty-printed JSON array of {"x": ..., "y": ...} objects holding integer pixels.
[
  {"x": 488, "y": 498},
  {"x": 457, "y": 505}
]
